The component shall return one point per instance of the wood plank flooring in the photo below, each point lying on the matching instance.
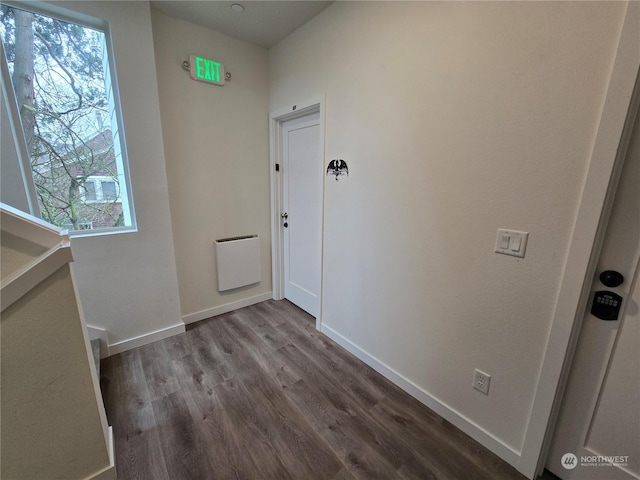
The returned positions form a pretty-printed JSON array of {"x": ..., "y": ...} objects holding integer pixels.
[{"x": 260, "y": 394}]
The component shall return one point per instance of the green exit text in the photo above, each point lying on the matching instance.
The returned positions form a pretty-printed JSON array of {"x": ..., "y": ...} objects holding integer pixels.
[{"x": 207, "y": 70}]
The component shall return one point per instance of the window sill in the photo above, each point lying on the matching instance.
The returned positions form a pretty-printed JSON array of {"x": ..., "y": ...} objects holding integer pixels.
[{"x": 102, "y": 231}]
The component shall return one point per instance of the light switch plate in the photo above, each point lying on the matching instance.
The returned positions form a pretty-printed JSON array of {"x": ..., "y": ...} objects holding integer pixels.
[{"x": 511, "y": 242}]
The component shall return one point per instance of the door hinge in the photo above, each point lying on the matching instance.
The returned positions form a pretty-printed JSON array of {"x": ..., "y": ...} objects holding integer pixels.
[{"x": 277, "y": 167}]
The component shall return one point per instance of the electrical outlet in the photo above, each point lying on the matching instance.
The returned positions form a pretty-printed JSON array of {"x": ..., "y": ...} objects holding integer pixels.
[{"x": 481, "y": 381}]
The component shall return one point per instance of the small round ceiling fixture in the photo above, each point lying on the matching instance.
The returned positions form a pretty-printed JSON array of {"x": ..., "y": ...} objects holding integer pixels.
[{"x": 236, "y": 7}]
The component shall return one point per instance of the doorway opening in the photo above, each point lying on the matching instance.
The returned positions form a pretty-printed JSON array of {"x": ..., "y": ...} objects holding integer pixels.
[{"x": 297, "y": 204}]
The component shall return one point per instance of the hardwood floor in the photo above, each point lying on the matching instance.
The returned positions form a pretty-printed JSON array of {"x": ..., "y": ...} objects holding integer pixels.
[{"x": 260, "y": 394}]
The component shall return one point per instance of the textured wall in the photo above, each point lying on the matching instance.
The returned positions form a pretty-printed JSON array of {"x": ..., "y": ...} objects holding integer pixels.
[
  {"x": 127, "y": 282},
  {"x": 217, "y": 155},
  {"x": 51, "y": 424},
  {"x": 456, "y": 119}
]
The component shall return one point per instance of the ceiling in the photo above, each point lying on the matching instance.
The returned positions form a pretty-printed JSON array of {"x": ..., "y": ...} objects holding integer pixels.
[{"x": 263, "y": 23}]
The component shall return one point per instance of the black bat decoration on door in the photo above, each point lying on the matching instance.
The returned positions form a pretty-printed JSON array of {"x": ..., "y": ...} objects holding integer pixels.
[{"x": 338, "y": 167}]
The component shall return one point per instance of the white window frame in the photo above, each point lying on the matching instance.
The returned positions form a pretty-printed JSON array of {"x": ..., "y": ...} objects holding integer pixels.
[{"x": 115, "y": 120}]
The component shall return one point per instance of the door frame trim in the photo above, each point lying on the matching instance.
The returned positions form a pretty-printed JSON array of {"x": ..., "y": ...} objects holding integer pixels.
[
  {"x": 612, "y": 139},
  {"x": 276, "y": 120}
]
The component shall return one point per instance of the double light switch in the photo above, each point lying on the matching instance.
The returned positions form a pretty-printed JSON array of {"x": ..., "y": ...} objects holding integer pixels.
[{"x": 511, "y": 242}]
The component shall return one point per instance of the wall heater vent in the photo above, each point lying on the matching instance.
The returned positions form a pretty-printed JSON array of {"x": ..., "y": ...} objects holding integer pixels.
[{"x": 237, "y": 261}]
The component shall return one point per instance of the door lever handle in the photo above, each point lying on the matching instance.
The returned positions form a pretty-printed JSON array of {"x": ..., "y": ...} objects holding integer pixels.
[{"x": 284, "y": 215}]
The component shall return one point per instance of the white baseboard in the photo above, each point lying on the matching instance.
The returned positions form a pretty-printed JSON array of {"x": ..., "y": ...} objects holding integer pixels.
[
  {"x": 112, "y": 447},
  {"x": 504, "y": 451},
  {"x": 108, "y": 473},
  {"x": 140, "y": 340},
  {"x": 226, "y": 308},
  {"x": 100, "y": 334},
  {"x": 130, "y": 343}
]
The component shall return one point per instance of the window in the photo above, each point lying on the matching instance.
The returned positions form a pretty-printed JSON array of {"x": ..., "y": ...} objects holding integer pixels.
[
  {"x": 108, "y": 191},
  {"x": 63, "y": 87},
  {"x": 98, "y": 189},
  {"x": 81, "y": 226},
  {"x": 89, "y": 192}
]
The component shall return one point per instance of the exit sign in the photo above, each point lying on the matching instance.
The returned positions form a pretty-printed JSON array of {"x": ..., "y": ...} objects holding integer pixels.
[{"x": 205, "y": 70}]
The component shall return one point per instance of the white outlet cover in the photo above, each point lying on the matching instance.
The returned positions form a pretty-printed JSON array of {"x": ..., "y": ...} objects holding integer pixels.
[
  {"x": 511, "y": 242},
  {"x": 481, "y": 381}
]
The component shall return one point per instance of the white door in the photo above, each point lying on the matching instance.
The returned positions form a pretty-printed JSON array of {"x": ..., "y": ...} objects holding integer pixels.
[
  {"x": 302, "y": 215},
  {"x": 600, "y": 413}
]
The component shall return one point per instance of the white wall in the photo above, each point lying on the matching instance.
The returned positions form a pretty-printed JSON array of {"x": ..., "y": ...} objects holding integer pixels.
[
  {"x": 217, "y": 156},
  {"x": 53, "y": 419},
  {"x": 127, "y": 282},
  {"x": 456, "y": 119},
  {"x": 51, "y": 423}
]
